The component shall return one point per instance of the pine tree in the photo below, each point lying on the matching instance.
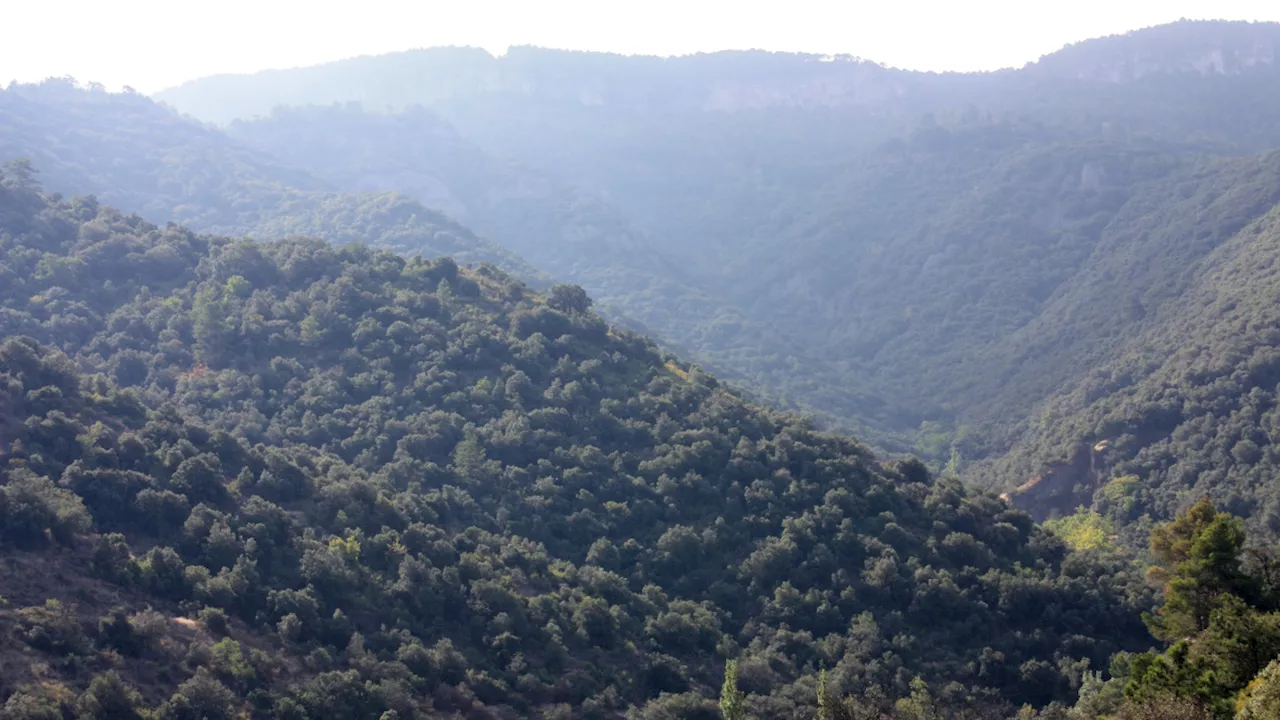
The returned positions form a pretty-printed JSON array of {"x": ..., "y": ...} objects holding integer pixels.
[
  {"x": 732, "y": 700},
  {"x": 824, "y": 705},
  {"x": 1201, "y": 556}
]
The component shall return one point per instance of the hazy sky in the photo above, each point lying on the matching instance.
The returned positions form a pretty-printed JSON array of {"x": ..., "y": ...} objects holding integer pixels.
[{"x": 153, "y": 44}]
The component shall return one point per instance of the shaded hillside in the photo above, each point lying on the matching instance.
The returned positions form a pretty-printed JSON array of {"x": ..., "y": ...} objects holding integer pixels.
[
  {"x": 992, "y": 265},
  {"x": 1033, "y": 259},
  {"x": 901, "y": 233},
  {"x": 428, "y": 490},
  {"x": 419, "y": 154},
  {"x": 180, "y": 170},
  {"x": 1148, "y": 257},
  {"x": 1186, "y": 407},
  {"x": 134, "y": 154},
  {"x": 920, "y": 263},
  {"x": 574, "y": 236}
]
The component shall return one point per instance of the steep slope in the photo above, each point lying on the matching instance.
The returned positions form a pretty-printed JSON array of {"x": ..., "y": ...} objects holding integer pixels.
[
  {"x": 921, "y": 261},
  {"x": 1148, "y": 257},
  {"x": 1034, "y": 261},
  {"x": 1186, "y": 408},
  {"x": 134, "y": 154},
  {"x": 428, "y": 490},
  {"x": 574, "y": 236},
  {"x": 906, "y": 230},
  {"x": 916, "y": 271}
]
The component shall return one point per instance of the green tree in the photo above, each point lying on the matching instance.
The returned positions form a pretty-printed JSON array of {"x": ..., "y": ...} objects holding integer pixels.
[
  {"x": 733, "y": 705},
  {"x": 200, "y": 698},
  {"x": 109, "y": 697},
  {"x": 1200, "y": 552},
  {"x": 21, "y": 174},
  {"x": 826, "y": 702},
  {"x": 37, "y": 702},
  {"x": 569, "y": 299},
  {"x": 920, "y": 705},
  {"x": 211, "y": 321},
  {"x": 34, "y": 510}
]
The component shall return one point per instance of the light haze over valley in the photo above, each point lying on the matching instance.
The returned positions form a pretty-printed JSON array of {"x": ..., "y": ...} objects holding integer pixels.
[{"x": 652, "y": 361}]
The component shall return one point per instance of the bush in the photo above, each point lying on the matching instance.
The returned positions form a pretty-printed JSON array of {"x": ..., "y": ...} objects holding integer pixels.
[
  {"x": 34, "y": 511},
  {"x": 215, "y": 619},
  {"x": 200, "y": 698},
  {"x": 50, "y": 701},
  {"x": 53, "y": 628},
  {"x": 110, "y": 698}
]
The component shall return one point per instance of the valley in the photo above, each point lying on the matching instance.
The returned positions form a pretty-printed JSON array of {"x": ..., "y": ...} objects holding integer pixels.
[{"x": 577, "y": 385}]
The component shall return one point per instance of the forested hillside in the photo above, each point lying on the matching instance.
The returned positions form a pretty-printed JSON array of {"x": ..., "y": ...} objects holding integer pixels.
[
  {"x": 982, "y": 221},
  {"x": 134, "y": 154},
  {"x": 962, "y": 270},
  {"x": 1186, "y": 408},
  {"x": 299, "y": 481},
  {"x": 353, "y": 162},
  {"x": 576, "y": 238},
  {"x": 319, "y": 413},
  {"x": 953, "y": 251}
]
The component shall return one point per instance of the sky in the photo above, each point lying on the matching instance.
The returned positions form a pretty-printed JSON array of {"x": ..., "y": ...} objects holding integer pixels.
[{"x": 154, "y": 44}]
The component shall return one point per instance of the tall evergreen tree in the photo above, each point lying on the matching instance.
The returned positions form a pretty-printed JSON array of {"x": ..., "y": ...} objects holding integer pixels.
[{"x": 732, "y": 700}]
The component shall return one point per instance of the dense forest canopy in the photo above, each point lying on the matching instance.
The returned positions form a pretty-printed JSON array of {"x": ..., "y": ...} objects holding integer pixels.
[
  {"x": 928, "y": 261},
  {"x": 345, "y": 407},
  {"x": 406, "y": 486},
  {"x": 573, "y": 235},
  {"x": 1188, "y": 405}
]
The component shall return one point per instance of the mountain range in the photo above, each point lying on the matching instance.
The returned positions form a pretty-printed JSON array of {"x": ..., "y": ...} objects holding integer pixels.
[
  {"x": 934, "y": 262},
  {"x": 1055, "y": 286}
]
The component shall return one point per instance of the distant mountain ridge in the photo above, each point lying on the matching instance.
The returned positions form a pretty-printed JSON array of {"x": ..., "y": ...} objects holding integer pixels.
[
  {"x": 1206, "y": 49},
  {"x": 719, "y": 81}
]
